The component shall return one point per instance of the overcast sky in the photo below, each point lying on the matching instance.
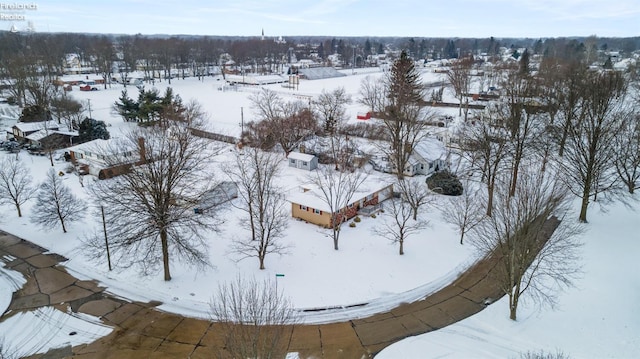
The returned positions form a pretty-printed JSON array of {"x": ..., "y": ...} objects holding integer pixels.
[{"x": 424, "y": 18}]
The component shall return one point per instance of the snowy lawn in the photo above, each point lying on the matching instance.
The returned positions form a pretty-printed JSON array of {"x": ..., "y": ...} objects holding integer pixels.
[
  {"x": 366, "y": 269},
  {"x": 599, "y": 318}
]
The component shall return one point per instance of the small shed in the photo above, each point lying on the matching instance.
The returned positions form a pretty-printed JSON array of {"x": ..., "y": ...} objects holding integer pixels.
[{"x": 303, "y": 160}]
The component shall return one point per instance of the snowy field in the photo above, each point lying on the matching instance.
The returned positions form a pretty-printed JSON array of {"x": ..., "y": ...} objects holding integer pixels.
[
  {"x": 367, "y": 268},
  {"x": 598, "y": 318}
]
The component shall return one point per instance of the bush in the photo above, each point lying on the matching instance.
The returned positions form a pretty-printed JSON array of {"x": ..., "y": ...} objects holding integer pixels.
[
  {"x": 352, "y": 224},
  {"x": 445, "y": 183},
  {"x": 357, "y": 219},
  {"x": 373, "y": 215},
  {"x": 543, "y": 355}
]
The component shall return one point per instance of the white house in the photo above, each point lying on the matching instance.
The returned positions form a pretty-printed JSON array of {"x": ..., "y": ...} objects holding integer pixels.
[
  {"x": 105, "y": 158},
  {"x": 303, "y": 161},
  {"x": 428, "y": 156}
]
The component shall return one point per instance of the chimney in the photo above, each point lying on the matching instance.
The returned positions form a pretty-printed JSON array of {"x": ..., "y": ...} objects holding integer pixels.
[{"x": 301, "y": 148}]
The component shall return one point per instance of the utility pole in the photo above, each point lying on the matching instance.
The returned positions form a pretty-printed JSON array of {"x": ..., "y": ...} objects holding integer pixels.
[
  {"x": 89, "y": 105},
  {"x": 106, "y": 242}
]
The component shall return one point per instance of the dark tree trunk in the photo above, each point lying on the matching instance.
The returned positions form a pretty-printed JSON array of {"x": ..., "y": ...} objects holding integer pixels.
[{"x": 165, "y": 254}]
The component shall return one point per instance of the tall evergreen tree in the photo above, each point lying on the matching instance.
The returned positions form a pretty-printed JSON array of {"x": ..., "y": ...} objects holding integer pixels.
[
  {"x": 403, "y": 111},
  {"x": 91, "y": 129}
]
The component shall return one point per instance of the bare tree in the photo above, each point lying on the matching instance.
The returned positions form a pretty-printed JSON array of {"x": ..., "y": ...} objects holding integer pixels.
[
  {"x": 537, "y": 251},
  {"x": 459, "y": 76},
  {"x": 330, "y": 108},
  {"x": 485, "y": 147},
  {"x": 520, "y": 118},
  {"x": 129, "y": 56},
  {"x": 414, "y": 192},
  {"x": 280, "y": 122},
  {"x": 68, "y": 111},
  {"x": 57, "y": 204},
  {"x": 104, "y": 55},
  {"x": 589, "y": 150},
  {"x": 399, "y": 101},
  {"x": 256, "y": 173},
  {"x": 15, "y": 183},
  {"x": 16, "y": 70},
  {"x": 464, "y": 212},
  {"x": 254, "y": 318},
  {"x": 570, "y": 97},
  {"x": 336, "y": 189},
  {"x": 150, "y": 205},
  {"x": 627, "y": 153},
  {"x": 398, "y": 225},
  {"x": 372, "y": 94}
]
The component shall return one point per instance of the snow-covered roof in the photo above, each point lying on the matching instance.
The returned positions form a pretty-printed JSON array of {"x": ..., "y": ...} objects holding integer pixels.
[
  {"x": 301, "y": 156},
  {"x": 311, "y": 195},
  {"x": 35, "y": 126},
  {"x": 430, "y": 149},
  {"x": 256, "y": 79},
  {"x": 37, "y": 136},
  {"x": 103, "y": 146}
]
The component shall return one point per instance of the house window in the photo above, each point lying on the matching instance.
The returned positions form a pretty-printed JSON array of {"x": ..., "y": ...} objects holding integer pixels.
[
  {"x": 304, "y": 208},
  {"x": 317, "y": 211},
  {"x": 292, "y": 161},
  {"x": 304, "y": 163}
]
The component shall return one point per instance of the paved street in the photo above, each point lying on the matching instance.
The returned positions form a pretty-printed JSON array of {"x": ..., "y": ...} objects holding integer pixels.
[{"x": 142, "y": 331}]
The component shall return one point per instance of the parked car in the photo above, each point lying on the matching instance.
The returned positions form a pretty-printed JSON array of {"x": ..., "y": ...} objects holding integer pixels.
[
  {"x": 10, "y": 146},
  {"x": 88, "y": 88},
  {"x": 36, "y": 150}
]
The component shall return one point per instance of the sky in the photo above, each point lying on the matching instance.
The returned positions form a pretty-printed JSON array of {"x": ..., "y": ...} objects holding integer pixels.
[{"x": 369, "y": 18}]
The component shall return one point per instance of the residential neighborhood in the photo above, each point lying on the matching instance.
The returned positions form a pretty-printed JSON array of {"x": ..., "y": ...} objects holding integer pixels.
[{"x": 381, "y": 185}]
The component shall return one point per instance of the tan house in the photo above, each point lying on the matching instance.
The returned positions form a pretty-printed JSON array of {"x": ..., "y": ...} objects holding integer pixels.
[{"x": 308, "y": 203}]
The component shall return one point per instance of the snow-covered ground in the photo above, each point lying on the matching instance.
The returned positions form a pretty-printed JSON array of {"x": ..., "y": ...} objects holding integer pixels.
[
  {"x": 598, "y": 318},
  {"x": 367, "y": 268}
]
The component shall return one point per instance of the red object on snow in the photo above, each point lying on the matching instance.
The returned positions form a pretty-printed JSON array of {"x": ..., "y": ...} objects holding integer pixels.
[
  {"x": 363, "y": 116},
  {"x": 88, "y": 88}
]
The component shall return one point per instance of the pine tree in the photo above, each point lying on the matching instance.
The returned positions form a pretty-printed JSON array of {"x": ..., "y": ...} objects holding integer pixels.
[
  {"x": 127, "y": 107},
  {"x": 91, "y": 129},
  {"x": 402, "y": 114}
]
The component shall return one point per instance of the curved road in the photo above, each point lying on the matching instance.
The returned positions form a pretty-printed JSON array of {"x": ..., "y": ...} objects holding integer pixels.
[{"x": 142, "y": 331}]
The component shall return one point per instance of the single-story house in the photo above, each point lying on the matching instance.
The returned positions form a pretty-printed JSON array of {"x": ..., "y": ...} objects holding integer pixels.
[
  {"x": 428, "y": 156},
  {"x": 105, "y": 158},
  {"x": 52, "y": 139},
  {"x": 308, "y": 204},
  {"x": 257, "y": 80},
  {"x": 303, "y": 160},
  {"x": 23, "y": 129}
]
